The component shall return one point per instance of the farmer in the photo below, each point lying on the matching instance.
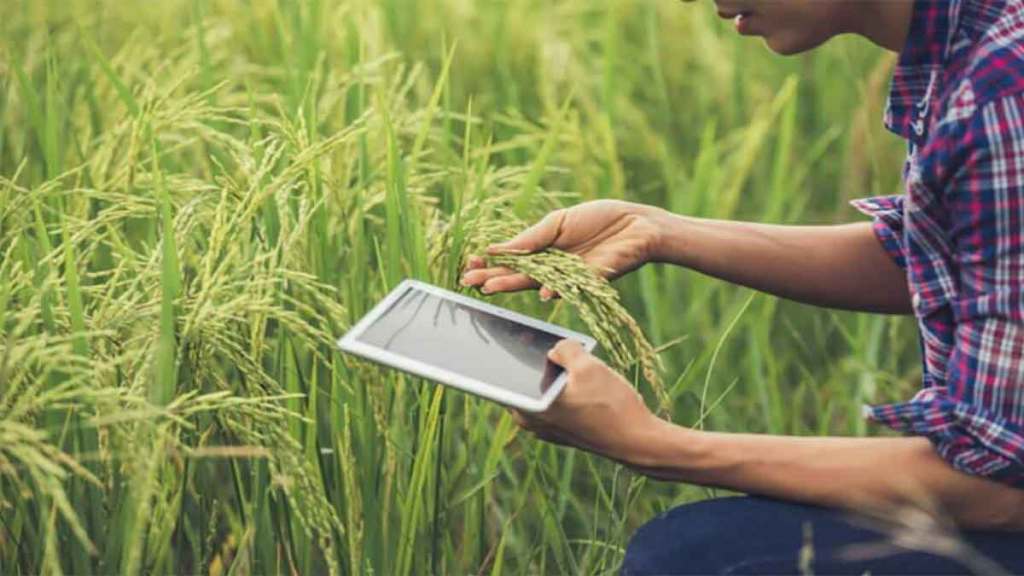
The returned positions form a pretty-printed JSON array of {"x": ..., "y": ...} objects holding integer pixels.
[{"x": 949, "y": 250}]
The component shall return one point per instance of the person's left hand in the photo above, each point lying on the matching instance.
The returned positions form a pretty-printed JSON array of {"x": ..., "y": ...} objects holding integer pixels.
[{"x": 597, "y": 411}]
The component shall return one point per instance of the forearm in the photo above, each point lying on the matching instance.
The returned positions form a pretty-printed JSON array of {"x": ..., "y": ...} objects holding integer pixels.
[
  {"x": 862, "y": 474},
  {"x": 841, "y": 266}
]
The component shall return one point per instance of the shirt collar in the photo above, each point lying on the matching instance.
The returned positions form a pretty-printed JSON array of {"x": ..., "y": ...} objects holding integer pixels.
[{"x": 920, "y": 62}]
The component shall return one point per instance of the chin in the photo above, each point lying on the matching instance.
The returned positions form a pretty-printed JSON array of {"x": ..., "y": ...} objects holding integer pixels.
[{"x": 789, "y": 46}]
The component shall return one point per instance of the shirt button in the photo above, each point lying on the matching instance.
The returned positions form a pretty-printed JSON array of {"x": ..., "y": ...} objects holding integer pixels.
[{"x": 915, "y": 301}]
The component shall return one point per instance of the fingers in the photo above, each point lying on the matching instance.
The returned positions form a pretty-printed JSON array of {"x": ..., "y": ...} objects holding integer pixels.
[
  {"x": 568, "y": 354},
  {"x": 498, "y": 279},
  {"x": 518, "y": 417},
  {"x": 477, "y": 276},
  {"x": 537, "y": 428},
  {"x": 533, "y": 239},
  {"x": 513, "y": 283},
  {"x": 547, "y": 293},
  {"x": 503, "y": 279}
]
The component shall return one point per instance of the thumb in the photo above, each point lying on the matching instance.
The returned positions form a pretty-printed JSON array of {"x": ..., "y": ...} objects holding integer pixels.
[
  {"x": 533, "y": 239},
  {"x": 567, "y": 353}
]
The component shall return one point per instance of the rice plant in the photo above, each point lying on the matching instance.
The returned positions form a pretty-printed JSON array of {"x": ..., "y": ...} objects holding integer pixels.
[{"x": 198, "y": 196}]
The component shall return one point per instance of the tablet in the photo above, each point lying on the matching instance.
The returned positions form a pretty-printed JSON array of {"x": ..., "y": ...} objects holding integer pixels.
[{"x": 465, "y": 343}]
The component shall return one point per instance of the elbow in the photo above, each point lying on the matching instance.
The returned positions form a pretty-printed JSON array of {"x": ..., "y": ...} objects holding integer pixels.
[
  {"x": 986, "y": 504},
  {"x": 1001, "y": 509},
  {"x": 970, "y": 501}
]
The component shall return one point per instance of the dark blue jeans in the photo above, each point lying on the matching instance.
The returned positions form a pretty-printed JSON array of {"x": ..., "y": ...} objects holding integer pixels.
[{"x": 745, "y": 535}]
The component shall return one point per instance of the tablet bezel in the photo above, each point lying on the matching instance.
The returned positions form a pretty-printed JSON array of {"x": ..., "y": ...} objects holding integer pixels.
[{"x": 350, "y": 343}]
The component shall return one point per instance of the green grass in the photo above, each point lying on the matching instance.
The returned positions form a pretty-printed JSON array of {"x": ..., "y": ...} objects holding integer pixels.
[{"x": 198, "y": 196}]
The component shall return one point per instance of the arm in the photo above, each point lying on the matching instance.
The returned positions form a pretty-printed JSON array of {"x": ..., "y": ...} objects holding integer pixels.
[
  {"x": 841, "y": 266},
  {"x": 600, "y": 412},
  {"x": 851, "y": 473},
  {"x": 972, "y": 462}
]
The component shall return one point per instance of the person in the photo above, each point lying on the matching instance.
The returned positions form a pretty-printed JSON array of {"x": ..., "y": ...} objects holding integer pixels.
[{"x": 949, "y": 250}]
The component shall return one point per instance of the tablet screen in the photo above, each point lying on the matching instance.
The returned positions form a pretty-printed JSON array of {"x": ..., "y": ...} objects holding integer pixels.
[{"x": 467, "y": 341}]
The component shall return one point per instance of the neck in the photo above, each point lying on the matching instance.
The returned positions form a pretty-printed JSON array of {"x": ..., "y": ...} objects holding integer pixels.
[{"x": 884, "y": 22}]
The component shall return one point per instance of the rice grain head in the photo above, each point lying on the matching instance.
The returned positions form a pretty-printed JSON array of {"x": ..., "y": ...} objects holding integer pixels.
[{"x": 589, "y": 293}]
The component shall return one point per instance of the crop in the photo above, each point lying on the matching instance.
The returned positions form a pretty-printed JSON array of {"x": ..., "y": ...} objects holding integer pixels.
[
  {"x": 197, "y": 197},
  {"x": 589, "y": 295}
]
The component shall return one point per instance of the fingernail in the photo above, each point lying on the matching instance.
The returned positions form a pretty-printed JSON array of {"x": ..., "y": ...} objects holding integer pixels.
[
  {"x": 464, "y": 281},
  {"x": 545, "y": 296},
  {"x": 485, "y": 289}
]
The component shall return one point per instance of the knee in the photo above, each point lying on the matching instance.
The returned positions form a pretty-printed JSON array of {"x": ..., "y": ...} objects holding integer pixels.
[{"x": 691, "y": 539}]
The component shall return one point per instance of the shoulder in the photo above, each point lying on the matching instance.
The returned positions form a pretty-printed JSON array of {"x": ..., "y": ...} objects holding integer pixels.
[
  {"x": 986, "y": 65},
  {"x": 983, "y": 94}
]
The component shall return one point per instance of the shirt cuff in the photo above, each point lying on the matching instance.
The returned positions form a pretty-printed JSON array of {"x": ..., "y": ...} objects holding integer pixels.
[
  {"x": 972, "y": 439},
  {"x": 887, "y": 212}
]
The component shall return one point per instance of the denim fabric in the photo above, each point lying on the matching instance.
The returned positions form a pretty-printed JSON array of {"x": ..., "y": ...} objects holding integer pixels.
[{"x": 746, "y": 535}]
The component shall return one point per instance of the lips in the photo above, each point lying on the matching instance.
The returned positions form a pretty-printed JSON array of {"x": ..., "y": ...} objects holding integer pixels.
[
  {"x": 733, "y": 14},
  {"x": 743, "y": 23},
  {"x": 741, "y": 19}
]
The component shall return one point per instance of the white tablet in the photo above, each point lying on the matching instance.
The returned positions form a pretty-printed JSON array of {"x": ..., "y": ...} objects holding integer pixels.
[{"x": 463, "y": 342}]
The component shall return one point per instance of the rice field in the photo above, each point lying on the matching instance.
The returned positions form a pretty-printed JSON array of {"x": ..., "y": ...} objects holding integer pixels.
[{"x": 197, "y": 197}]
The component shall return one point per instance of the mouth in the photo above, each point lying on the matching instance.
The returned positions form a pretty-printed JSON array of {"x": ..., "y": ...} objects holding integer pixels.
[
  {"x": 742, "y": 20},
  {"x": 733, "y": 14}
]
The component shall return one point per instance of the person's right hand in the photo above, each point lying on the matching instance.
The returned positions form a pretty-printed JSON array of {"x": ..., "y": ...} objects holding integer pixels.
[{"x": 611, "y": 236}]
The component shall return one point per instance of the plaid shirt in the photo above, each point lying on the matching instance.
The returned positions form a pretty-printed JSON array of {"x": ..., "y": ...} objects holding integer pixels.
[{"x": 958, "y": 230}]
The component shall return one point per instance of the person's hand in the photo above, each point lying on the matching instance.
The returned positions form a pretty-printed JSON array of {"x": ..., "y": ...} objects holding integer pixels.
[
  {"x": 612, "y": 237},
  {"x": 597, "y": 411}
]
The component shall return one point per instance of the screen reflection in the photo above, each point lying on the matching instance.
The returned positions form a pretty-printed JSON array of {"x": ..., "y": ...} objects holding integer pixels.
[{"x": 466, "y": 341}]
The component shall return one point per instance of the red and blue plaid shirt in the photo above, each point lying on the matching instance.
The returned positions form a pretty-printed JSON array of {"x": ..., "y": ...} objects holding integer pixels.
[{"x": 958, "y": 230}]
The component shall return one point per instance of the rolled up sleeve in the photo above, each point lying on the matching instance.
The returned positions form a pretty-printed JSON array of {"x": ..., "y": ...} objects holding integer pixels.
[
  {"x": 887, "y": 213},
  {"x": 974, "y": 412}
]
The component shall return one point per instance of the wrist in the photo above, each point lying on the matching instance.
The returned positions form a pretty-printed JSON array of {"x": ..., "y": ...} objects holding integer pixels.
[
  {"x": 664, "y": 449},
  {"x": 668, "y": 244}
]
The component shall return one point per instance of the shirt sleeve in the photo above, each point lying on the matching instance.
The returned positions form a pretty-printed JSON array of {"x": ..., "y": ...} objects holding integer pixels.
[
  {"x": 887, "y": 212},
  {"x": 975, "y": 416}
]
